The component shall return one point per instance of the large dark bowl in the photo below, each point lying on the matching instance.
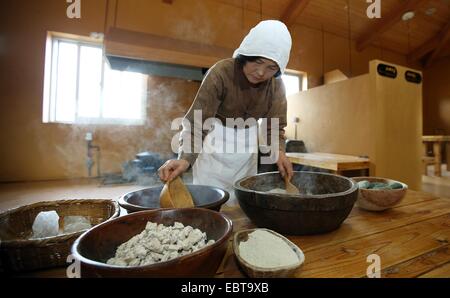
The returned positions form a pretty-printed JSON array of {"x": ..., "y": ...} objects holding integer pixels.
[
  {"x": 204, "y": 196},
  {"x": 325, "y": 202},
  {"x": 97, "y": 245}
]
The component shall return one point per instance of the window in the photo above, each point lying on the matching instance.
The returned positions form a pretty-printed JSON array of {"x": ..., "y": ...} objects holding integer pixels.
[
  {"x": 80, "y": 87},
  {"x": 292, "y": 82}
]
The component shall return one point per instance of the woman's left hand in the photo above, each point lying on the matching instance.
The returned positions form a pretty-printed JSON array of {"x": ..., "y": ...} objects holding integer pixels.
[{"x": 285, "y": 165}]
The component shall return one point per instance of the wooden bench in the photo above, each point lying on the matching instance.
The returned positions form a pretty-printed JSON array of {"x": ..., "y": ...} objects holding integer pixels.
[
  {"x": 426, "y": 161},
  {"x": 438, "y": 142}
]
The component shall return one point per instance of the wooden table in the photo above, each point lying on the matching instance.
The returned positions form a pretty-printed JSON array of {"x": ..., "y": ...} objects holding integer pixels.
[
  {"x": 411, "y": 239},
  {"x": 337, "y": 163},
  {"x": 438, "y": 142}
]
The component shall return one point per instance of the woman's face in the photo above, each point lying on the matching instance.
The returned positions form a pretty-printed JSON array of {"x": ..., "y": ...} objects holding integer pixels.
[{"x": 260, "y": 70}]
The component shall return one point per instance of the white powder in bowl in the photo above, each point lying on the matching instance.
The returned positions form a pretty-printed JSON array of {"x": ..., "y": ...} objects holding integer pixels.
[
  {"x": 264, "y": 249},
  {"x": 278, "y": 191}
]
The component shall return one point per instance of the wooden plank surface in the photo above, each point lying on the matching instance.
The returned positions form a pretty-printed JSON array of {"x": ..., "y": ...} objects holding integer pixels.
[
  {"x": 420, "y": 265},
  {"x": 411, "y": 239},
  {"x": 436, "y": 138},
  {"x": 441, "y": 271},
  {"x": 349, "y": 259},
  {"x": 334, "y": 162}
]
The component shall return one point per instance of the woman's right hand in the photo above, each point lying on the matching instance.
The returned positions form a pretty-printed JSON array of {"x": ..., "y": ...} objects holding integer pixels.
[{"x": 172, "y": 168}]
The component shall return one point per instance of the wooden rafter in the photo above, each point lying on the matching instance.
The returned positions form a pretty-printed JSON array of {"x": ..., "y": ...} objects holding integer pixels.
[
  {"x": 424, "y": 49},
  {"x": 168, "y": 1},
  {"x": 385, "y": 23},
  {"x": 443, "y": 37},
  {"x": 429, "y": 45},
  {"x": 293, "y": 10}
]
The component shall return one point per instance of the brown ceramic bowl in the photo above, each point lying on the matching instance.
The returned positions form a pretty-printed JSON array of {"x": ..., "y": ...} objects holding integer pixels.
[
  {"x": 261, "y": 272},
  {"x": 97, "y": 245},
  {"x": 379, "y": 199},
  {"x": 324, "y": 202},
  {"x": 204, "y": 196}
]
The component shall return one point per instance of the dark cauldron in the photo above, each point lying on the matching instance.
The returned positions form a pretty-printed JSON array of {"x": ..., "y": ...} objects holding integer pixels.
[
  {"x": 324, "y": 203},
  {"x": 204, "y": 196}
]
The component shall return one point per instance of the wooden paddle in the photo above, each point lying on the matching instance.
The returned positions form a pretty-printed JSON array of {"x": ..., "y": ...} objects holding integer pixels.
[
  {"x": 290, "y": 188},
  {"x": 175, "y": 195}
]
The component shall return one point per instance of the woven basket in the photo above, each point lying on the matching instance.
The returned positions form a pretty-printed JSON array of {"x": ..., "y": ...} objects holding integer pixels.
[{"x": 20, "y": 253}]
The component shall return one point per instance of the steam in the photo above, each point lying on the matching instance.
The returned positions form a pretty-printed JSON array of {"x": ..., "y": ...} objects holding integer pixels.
[{"x": 63, "y": 148}]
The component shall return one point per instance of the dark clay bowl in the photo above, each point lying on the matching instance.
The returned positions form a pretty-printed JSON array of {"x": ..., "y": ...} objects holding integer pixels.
[
  {"x": 324, "y": 203},
  {"x": 204, "y": 196},
  {"x": 97, "y": 245}
]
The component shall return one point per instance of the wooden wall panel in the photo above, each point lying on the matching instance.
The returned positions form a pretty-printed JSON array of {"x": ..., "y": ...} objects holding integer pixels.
[
  {"x": 436, "y": 95},
  {"x": 366, "y": 115},
  {"x": 36, "y": 151}
]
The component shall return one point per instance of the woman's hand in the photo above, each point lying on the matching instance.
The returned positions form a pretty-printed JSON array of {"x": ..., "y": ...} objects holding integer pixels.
[
  {"x": 172, "y": 168},
  {"x": 285, "y": 165}
]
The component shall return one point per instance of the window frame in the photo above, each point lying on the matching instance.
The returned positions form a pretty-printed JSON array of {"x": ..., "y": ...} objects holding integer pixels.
[
  {"x": 50, "y": 83},
  {"x": 303, "y": 78}
]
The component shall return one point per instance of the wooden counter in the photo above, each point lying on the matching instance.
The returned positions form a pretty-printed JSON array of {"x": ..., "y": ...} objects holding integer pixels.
[
  {"x": 411, "y": 239},
  {"x": 337, "y": 163}
]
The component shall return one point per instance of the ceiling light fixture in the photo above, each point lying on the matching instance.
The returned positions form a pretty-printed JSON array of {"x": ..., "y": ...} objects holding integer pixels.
[
  {"x": 408, "y": 15},
  {"x": 430, "y": 11}
]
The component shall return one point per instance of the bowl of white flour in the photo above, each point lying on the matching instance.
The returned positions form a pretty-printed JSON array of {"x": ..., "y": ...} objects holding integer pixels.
[{"x": 265, "y": 253}]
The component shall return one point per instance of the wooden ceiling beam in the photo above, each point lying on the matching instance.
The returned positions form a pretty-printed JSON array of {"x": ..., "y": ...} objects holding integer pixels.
[
  {"x": 168, "y": 1},
  {"x": 385, "y": 23},
  {"x": 443, "y": 37},
  {"x": 293, "y": 10},
  {"x": 424, "y": 49}
]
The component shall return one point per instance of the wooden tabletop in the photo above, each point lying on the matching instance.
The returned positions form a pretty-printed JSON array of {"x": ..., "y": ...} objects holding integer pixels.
[
  {"x": 411, "y": 239},
  {"x": 334, "y": 162},
  {"x": 436, "y": 138}
]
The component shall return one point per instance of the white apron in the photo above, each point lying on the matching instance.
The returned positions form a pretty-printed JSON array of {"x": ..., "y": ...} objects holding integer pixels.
[{"x": 226, "y": 157}]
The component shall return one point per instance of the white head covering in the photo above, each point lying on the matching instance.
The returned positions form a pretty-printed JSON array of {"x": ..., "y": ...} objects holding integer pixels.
[{"x": 269, "y": 39}]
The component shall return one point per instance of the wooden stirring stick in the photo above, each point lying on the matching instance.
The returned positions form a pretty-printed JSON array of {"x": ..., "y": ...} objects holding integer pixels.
[
  {"x": 290, "y": 188},
  {"x": 165, "y": 201},
  {"x": 176, "y": 195}
]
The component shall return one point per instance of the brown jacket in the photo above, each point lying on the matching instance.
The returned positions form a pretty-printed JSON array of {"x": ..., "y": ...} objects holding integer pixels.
[{"x": 226, "y": 93}]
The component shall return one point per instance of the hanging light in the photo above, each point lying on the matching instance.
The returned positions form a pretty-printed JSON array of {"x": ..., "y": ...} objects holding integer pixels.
[{"x": 408, "y": 15}]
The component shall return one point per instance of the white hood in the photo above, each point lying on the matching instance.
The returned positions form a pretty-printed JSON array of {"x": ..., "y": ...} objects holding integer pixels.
[{"x": 269, "y": 39}]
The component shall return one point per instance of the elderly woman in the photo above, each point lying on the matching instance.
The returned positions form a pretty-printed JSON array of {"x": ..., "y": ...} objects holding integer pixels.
[{"x": 247, "y": 86}]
